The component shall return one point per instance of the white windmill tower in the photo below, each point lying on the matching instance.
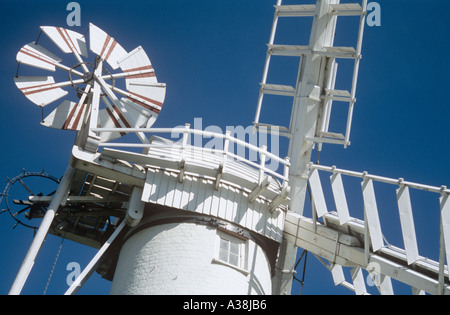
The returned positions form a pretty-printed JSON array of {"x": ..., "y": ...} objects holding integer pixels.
[{"x": 183, "y": 219}]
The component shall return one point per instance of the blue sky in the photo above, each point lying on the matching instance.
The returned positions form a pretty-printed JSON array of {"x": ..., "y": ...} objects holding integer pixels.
[{"x": 211, "y": 53}]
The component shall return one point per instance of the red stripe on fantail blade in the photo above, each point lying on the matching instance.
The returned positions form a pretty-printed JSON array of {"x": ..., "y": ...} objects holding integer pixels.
[
  {"x": 37, "y": 56},
  {"x": 39, "y": 90},
  {"x": 105, "y": 46},
  {"x": 68, "y": 116},
  {"x": 68, "y": 41}
]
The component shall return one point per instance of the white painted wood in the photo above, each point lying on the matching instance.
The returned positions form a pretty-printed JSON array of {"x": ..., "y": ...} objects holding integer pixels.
[
  {"x": 259, "y": 189},
  {"x": 105, "y": 46},
  {"x": 155, "y": 187},
  {"x": 151, "y": 94},
  {"x": 37, "y": 56},
  {"x": 386, "y": 287},
  {"x": 41, "y": 234},
  {"x": 420, "y": 281},
  {"x": 39, "y": 90},
  {"x": 68, "y": 116},
  {"x": 416, "y": 291},
  {"x": 135, "y": 211},
  {"x": 338, "y": 95},
  {"x": 280, "y": 199},
  {"x": 321, "y": 241},
  {"x": 445, "y": 222},
  {"x": 124, "y": 116},
  {"x": 95, "y": 102},
  {"x": 347, "y": 9},
  {"x": 67, "y": 40},
  {"x": 339, "y": 52},
  {"x": 91, "y": 267},
  {"x": 317, "y": 194},
  {"x": 358, "y": 281},
  {"x": 390, "y": 262},
  {"x": 393, "y": 181},
  {"x": 142, "y": 102},
  {"x": 275, "y": 89},
  {"x": 169, "y": 193},
  {"x": 339, "y": 198},
  {"x": 407, "y": 223},
  {"x": 288, "y": 50},
  {"x": 199, "y": 195},
  {"x": 371, "y": 211},
  {"x": 296, "y": 10},
  {"x": 138, "y": 60},
  {"x": 338, "y": 274}
]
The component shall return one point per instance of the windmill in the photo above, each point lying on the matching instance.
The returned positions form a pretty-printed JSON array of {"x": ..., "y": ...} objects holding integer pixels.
[{"x": 229, "y": 218}]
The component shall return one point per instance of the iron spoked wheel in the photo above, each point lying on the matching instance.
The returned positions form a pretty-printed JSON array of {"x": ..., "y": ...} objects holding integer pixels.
[{"x": 27, "y": 197}]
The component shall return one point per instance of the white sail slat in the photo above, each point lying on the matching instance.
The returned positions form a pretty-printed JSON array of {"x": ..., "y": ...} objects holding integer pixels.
[
  {"x": 37, "y": 56},
  {"x": 371, "y": 213},
  {"x": 445, "y": 223},
  {"x": 407, "y": 223},
  {"x": 317, "y": 194},
  {"x": 67, "y": 116},
  {"x": 39, "y": 90},
  {"x": 105, "y": 46},
  {"x": 339, "y": 198},
  {"x": 68, "y": 41}
]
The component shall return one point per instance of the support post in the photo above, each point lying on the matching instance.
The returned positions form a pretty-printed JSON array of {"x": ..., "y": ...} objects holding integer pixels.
[{"x": 305, "y": 112}]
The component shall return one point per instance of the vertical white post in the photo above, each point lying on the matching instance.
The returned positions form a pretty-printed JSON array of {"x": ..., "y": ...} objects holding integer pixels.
[
  {"x": 445, "y": 225},
  {"x": 362, "y": 23},
  {"x": 41, "y": 234},
  {"x": 262, "y": 164},
  {"x": 407, "y": 223},
  {"x": 286, "y": 171},
  {"x": 93, "y": 139},
  {"x": 371, "y": 215},
  {"x": 317, "y": 194},
  {"x": 358, "y": 281},
  {"x": 95, "y": 106},
  {"x": 339, "y": 198},
  {"x": 305, "y": 112}
]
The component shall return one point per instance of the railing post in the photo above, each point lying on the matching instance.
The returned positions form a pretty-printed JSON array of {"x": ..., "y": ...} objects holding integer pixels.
[
  {"x": 182, "y": 162},
  {"x": 262, "y": 163},
  {"x": 286, "y": 172},
  {"x": 226, "y": 145}
]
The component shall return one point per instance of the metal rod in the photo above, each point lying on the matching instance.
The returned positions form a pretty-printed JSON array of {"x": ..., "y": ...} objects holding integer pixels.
[
  {"x": 181, "y": 130},
  {"x": 266, "y": 65},
  {"x": 41, "y": 234},
  {"x": 90, "y": 268},
  {"x": 383, "y": 179},
  {"x": 441, "y": 277},
  {"x": 355, "y": 71}
]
